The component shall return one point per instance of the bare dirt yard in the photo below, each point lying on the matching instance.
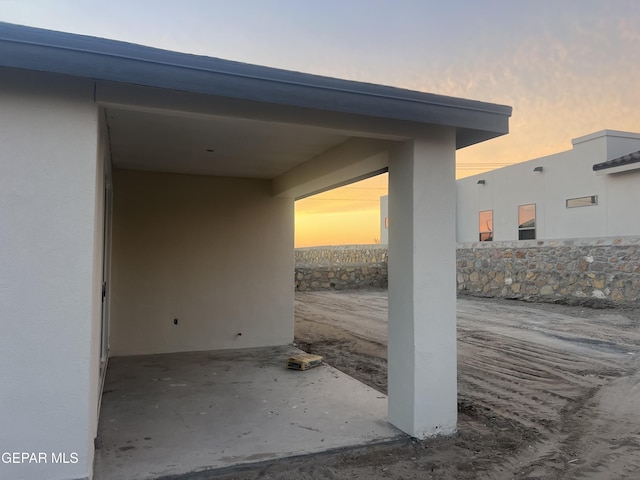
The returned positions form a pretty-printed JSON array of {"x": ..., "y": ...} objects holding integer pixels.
[{"x": 545, "y": 392}]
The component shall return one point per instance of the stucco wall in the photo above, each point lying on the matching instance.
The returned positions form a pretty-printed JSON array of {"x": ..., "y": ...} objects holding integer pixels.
[
  {"x": 565, "y": 175},
  {"x": 50, "y": 249},
  {"x": 384, "y": 220},
  {"x": 596, "y": 272},
  {"x": 214, "y": 253},
  {"x": 623, "y": 194},
  {"x": 103, "y": 154}
]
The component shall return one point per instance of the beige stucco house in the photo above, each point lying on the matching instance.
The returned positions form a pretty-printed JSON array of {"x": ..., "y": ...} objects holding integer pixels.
[{"x": 146, "y": 206}]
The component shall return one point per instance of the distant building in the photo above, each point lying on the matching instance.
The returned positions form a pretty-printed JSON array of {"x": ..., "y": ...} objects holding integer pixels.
[
  {"x": 384, "y": 220},
  {"x": 592, "y": 190}
]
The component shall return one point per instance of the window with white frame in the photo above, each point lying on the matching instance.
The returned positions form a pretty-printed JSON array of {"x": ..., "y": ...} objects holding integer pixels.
[
  {"x": 582, "y": 201},
  {"x": 485, "y": 225},
  {"x": 527, "y": 222}
]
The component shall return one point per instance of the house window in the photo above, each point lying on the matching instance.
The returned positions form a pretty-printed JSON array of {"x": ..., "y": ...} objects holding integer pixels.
[
  {"x": 527, "y": 222},
  {"x": 582, "y": 201},
  {"x": 485, "y": 226}
]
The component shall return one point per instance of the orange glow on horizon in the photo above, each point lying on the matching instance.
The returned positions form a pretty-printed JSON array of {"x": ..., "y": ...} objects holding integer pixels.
[
  {"x": 343, "y": 216},
  {"x": 350, "y": 215}
]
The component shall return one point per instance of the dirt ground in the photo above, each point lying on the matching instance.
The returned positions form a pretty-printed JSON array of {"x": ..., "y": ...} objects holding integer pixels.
[{"x": 544, "y": 392}]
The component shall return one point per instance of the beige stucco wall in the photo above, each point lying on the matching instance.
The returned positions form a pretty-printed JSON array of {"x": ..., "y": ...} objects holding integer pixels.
[
  {"x": 50, "y": 259},
  {"x": 103, "y": 161},
  {"x": 215, "y": 253}
]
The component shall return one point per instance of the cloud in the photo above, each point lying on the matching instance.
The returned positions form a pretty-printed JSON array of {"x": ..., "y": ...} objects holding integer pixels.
[{"x": 562, "y": 84}]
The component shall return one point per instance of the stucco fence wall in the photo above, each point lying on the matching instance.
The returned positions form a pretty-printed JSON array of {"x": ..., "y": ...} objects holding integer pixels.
[{"x": 595, "y": 272}]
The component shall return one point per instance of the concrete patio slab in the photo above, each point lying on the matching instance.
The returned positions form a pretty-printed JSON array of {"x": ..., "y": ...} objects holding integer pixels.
[{"x": 177, "y": 413}]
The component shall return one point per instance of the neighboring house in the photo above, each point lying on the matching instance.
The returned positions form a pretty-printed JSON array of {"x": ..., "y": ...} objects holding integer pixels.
[
  {"x": 384, "y": 220},
  {"x": 139, "y": 186},
  {"x": 590, "y": 191}
]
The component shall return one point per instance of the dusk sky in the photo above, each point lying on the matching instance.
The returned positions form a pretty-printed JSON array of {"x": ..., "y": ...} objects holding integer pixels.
[{"x": 567, "y": 67}]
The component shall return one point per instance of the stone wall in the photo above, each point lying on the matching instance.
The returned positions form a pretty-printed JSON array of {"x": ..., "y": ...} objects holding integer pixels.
[
  {"x": 341, "y": 255},
  {"x": 595, "y": 272},
  {"x": 345, "y": 267}
]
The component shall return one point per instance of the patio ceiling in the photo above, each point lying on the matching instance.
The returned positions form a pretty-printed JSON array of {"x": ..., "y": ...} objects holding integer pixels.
[
  {"x": 165, "y": 110},
  {"x": 199, "y": 144}
]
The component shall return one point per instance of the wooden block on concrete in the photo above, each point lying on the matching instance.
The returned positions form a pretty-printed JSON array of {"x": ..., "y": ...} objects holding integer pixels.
[{"x": 304, "y": 361}]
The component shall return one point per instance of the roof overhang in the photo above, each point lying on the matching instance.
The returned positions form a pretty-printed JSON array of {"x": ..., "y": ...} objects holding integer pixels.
[
  {"x": 124, "y": 63},
  {"x": 621, "y": 164}
]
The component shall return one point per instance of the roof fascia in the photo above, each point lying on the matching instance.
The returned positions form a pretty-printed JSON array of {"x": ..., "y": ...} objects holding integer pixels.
[{"x": 101, "y": 59}]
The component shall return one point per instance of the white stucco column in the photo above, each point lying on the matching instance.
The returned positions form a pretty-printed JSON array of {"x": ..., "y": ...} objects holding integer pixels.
[{"x": 422, "y": 289}]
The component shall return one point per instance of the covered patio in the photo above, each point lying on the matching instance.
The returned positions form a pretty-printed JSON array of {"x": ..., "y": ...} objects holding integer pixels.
[{"x": 191, "y": 412}]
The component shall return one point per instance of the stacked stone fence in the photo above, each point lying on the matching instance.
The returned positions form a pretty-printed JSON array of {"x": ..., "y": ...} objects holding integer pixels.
[
  {"x": 347, "y": 267},
  {"x": 594, "y": 272}
]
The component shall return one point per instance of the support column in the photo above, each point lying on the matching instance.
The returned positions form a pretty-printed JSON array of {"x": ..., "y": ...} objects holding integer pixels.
[{"x": 422, "y": 288}]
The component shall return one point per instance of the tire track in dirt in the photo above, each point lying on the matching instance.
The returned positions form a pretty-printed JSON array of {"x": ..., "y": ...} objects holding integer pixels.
[
  {"x": 549, "y": 375},
  {"x": 545, "y": 391},
  {"x": 523, "y": 386}
]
